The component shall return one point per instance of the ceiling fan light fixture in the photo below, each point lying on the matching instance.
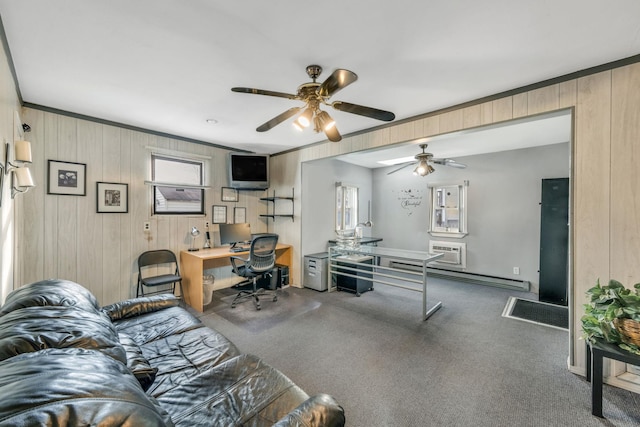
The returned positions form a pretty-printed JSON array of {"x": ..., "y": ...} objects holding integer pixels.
[
  {"x": 423, "y": 169},
  {"x": 304, "y": 120},
  {"x": 326, "y": 121},
  {"x": 332, "y": 134}
]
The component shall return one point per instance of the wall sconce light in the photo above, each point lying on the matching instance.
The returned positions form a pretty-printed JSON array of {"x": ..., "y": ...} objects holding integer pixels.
[{"x": 21, "y": 179}]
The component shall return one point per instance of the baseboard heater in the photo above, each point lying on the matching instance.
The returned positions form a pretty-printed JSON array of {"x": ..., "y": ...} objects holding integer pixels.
[{"x": 481, "y": 279}]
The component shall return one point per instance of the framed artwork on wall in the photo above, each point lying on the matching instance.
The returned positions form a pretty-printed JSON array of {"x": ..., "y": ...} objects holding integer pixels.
[
  {"x": 229, "y": 194},
  {"x": 67, "y": 178},
  {"x": 112, "y": 197},
  {"x": 219, "y": 214},
  {"x": 239, "y": 215}
]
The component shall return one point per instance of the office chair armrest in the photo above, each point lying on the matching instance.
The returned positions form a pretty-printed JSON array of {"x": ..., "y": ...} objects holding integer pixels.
[
  {"x": 138, "y": 306},
  {"x": 233, "y": 260},
  {"x": 318, "y": 410}
]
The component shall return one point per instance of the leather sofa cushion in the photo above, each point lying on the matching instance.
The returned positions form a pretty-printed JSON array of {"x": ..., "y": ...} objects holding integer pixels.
[
  {"x": 136, "y": 362},
  {"x": 183, "y": 356},
  {"x": 157, "y": 324},
  {"x": 74, "y": 387},
  {"x": 50, "y": 293},
  {"x": 240, "y": 391},
  {"x": 34, "y": 328}
]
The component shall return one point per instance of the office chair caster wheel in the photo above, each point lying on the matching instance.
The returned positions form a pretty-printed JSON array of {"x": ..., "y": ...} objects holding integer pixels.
[
  {"x": 275, "y": 299},
  {"x": 233, "y": 306}
]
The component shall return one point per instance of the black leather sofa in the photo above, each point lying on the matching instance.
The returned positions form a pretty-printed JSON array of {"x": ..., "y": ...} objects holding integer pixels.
[{"x": 142, "y": 362}]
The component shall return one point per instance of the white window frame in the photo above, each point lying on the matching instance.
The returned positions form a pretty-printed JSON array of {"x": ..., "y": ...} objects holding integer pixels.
[
  {"x": 203, "y": 163},
  {"x": 436, "y": 205}
]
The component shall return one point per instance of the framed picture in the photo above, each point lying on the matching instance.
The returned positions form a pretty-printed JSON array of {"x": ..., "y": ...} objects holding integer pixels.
[
  {"x": 112, "y": 197},
  {"x": 239, "y": 215},
  {"x": 229, "y": 194},
  {"x": 67, "y": 178},
  {"x": 219, "y": 214}
]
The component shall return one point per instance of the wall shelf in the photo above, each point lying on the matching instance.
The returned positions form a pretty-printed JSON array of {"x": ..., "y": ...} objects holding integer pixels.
[{"x": 271, "y": 203}]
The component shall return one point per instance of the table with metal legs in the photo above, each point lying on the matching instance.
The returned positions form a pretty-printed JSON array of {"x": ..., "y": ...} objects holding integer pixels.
[{"x": 339, "y": 257}]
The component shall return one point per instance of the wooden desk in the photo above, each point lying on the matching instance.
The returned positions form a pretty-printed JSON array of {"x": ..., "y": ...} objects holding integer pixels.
[{"x": 193, "y": 264}]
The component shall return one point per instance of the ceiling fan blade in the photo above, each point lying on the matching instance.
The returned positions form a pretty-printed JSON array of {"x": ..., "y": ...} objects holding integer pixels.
[
  {"x": 401, "y": 167},
  {"x": 278, "y": 119},
  {"x": 339, "y": 79},
  {"x": 449, "y": 162},
  {"x": 263, "y": 92},
  {"x": 373, "y": 113}
]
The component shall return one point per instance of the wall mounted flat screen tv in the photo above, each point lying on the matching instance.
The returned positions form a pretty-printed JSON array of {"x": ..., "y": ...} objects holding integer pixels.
[{"x": 248, "y": 171}]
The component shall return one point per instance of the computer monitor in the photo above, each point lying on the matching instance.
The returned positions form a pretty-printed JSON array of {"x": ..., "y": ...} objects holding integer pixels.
[{"x": 232, "y": 234}]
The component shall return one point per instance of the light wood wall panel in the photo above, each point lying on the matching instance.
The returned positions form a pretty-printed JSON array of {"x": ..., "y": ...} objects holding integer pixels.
[
  {"x": 64, "y": 236},
  {"x": 625, "y": 176},
  {"x": 502, "y": 109},
  {"x": 591, "y": 188},
  {"x": 520, "y": 104},
  {"x": 543, "y": 99}
]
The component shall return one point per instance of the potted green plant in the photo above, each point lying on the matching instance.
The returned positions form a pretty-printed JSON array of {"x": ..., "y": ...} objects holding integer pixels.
[{"x": 613, "y": 314}]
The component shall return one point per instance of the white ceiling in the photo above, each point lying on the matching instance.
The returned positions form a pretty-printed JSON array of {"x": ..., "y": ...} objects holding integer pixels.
[{"x": 169, "y": 65}]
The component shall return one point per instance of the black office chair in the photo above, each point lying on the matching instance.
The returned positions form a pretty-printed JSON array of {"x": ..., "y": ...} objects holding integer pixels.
[
  {"x": 158, "y": 258},
  {"x": 261, "y": 261}
]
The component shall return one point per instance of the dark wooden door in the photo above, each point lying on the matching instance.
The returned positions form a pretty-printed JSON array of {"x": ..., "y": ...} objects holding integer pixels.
[{"x": 554, "y": 241}]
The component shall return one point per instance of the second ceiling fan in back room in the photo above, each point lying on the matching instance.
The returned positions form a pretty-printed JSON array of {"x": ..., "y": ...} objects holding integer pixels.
[
  {"x": 423, "y": 161},
  {"x": 314, "y": 94}
]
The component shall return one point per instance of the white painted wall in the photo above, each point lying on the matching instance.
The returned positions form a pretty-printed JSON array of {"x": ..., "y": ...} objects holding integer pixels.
[
  {"x": 318, "y": 204},
  {"x": 502, "y": 203}
]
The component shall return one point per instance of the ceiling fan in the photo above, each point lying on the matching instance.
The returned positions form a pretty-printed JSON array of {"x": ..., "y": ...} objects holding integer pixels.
[
  {"x": 313, "y": 95},
  {"x": 423, "y": 161}
]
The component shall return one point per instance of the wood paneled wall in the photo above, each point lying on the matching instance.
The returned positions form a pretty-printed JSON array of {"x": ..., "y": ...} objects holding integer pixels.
[
  {"x": 64, "y": 236},
  {"x": 605, "y": 189}
]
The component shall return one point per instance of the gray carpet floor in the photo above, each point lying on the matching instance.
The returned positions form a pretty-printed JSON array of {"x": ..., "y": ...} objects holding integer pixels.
[{"x": 465, "y": 366}]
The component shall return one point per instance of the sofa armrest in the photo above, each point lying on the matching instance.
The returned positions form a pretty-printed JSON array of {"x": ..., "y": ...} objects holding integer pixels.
[
  {"x": 319, "y": 410},
  {"x": 138, "y": 306}
]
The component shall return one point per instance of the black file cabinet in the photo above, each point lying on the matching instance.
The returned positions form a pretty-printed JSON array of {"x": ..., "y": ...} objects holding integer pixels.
[{"x": 353, "y": 284}]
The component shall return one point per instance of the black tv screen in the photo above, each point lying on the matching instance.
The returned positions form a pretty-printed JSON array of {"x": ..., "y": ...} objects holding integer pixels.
[{"x": 249, "y": 171}]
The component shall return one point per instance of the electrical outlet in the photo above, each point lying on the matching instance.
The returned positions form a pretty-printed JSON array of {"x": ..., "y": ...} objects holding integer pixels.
[
  {"x": 147, "y": 226},
  {"x": 516, "y": 270},
  {"x": 206, "y": 225}
]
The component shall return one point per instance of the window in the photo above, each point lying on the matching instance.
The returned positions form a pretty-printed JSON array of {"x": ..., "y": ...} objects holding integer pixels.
[
  {"x": 448, "y": 210},
  {"x": 346, "y": 207},
  {"x": 178, "y": 185}
]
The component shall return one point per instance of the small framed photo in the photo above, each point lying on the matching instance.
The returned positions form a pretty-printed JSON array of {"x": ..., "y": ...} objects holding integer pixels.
[
  {"x": 112, "y": 197},
  {"x": 219, "y": 214},
  {"x": 239, "y": 215},
  {"x": 67, "y": 178},
  {"x": 229, "y": 194}
]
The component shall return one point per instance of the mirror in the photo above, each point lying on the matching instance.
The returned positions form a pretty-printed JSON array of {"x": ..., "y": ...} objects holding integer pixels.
[{"x": 346, "y": 207}]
